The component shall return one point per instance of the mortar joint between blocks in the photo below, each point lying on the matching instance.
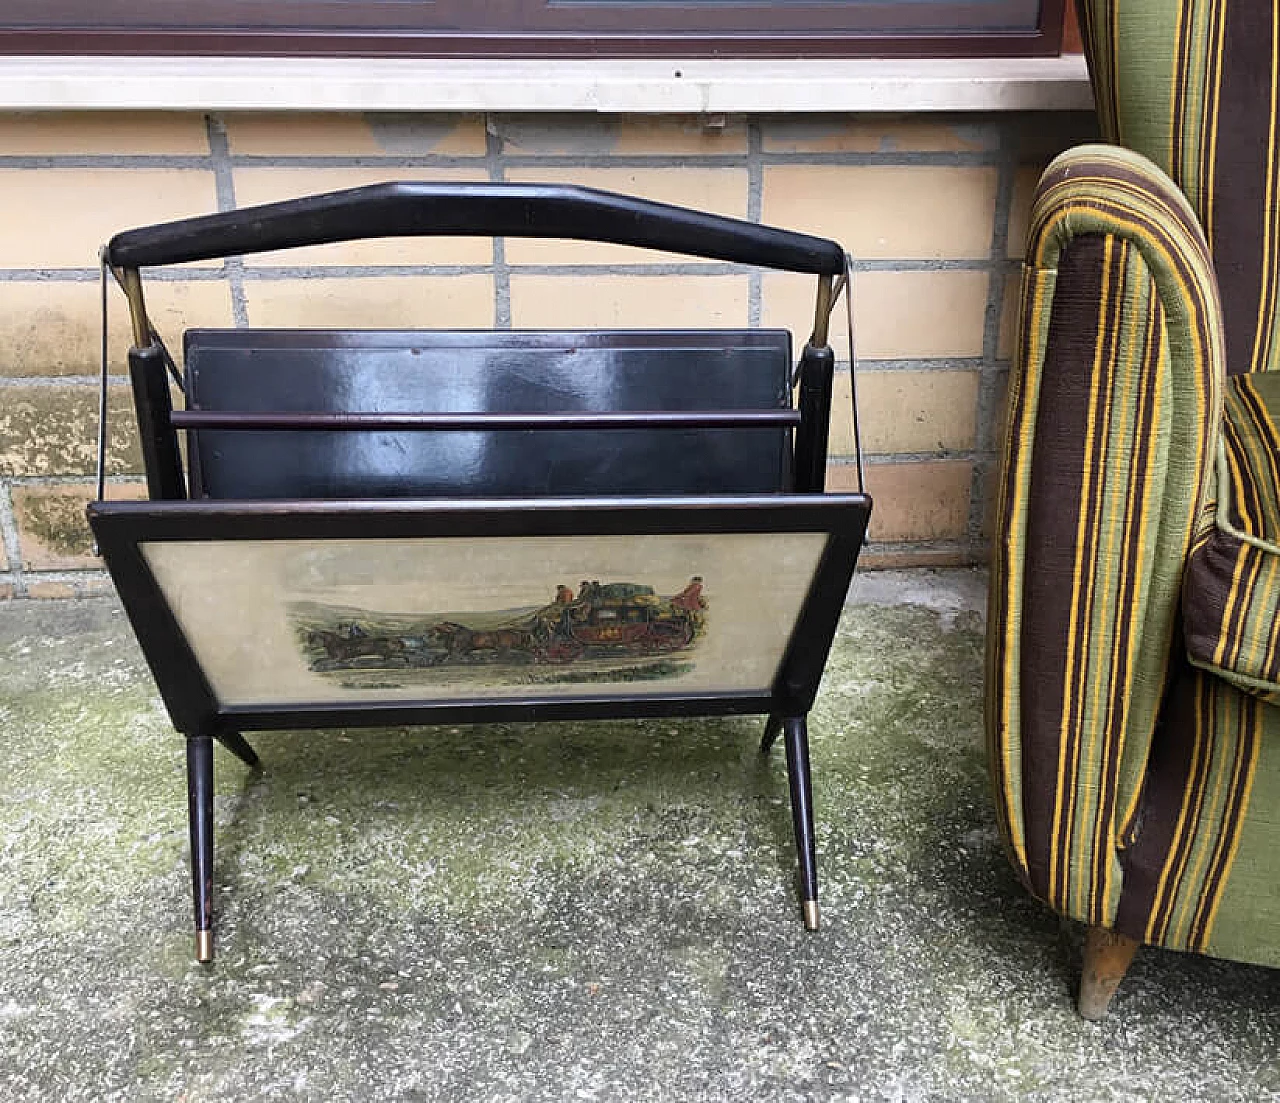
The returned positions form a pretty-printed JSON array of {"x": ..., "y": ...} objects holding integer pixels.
[
  {"x": 9, "y": 534},
  {"x": 496, "y": 165},
  {"x": 225, "y": 184},
  {"x": 993, "y": 369}
]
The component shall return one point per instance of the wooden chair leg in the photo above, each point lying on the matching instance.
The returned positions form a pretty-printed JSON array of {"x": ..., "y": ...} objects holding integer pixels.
[
  {"x": 1107, "y": 956},
  {"x": 796, "y": 739},
  {"x": 200, "y": 819}
]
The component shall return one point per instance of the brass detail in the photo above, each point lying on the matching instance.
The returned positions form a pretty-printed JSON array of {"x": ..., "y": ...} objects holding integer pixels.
[
  {"x": 822, "y": 313},
  {"x": 811, "y": 915},
  {"x": 132, "y": 284},
  {"x": 204, "y": 946}
]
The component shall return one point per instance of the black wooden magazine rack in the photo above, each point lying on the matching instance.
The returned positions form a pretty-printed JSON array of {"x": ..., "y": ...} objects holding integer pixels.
[{"x": 415, "y": 527}]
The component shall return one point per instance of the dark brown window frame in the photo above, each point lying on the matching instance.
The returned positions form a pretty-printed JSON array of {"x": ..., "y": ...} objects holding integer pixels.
[{"x": 524, "y": 28}]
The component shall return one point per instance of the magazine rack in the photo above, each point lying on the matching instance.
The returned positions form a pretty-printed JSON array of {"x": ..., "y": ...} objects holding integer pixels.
[{"x": 415, "y": 527}]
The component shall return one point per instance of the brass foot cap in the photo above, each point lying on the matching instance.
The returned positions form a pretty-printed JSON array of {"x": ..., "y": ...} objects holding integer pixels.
[
  {"x": 204, "y": 946},
  {"x": 811, "y": 915}
]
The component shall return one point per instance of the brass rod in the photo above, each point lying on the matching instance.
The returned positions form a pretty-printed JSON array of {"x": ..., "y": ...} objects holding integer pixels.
[
  {"x": 132, "y": 284},
  {"x": 822, "y": 314}
]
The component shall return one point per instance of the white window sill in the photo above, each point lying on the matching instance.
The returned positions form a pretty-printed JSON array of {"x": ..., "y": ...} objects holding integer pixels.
[{"x": 612, "y": 85}]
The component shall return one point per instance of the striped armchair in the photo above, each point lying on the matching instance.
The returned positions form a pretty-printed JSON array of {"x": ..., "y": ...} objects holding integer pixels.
[{"x": 1133, "y": 671}]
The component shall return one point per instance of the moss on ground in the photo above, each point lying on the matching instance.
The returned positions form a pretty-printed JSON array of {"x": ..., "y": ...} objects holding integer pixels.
[{"x": 596, "y": 911}]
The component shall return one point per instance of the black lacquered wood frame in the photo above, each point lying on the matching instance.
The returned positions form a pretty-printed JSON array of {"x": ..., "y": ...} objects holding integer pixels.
[
  {"x": 122, "y": 528},
  {"x": 417, "y": 209},
  {"x": 793, "y": 503}
]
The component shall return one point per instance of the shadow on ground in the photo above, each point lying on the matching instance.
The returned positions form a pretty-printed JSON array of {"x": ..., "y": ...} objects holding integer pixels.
[{"x": 571, "y": 911}]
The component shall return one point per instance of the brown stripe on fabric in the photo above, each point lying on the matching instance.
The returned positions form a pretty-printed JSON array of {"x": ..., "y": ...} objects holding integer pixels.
[
  {"x": 1249, "y": 725},
  {"x": 1188, "y": 824},
  {"x": 1187, "y": 15},
  {"x": 1269, "y": 439},
  {"x": 1098, "y": 35},
  {"x": 1246, "y": 505},
  {"x": 1261, "y": 449},
  {"x": 1235, "y": 621},
  {"x": 1246, "y": 498},
  {"x": 1241, "y": 236},
  {"x": 1200, "y": 319},
  {"x": 1003, "y": 642},
  {"x": 1213, "y": 54},
  {"x": 1205, "y": 594},
  {"x": 1084, "y": 576},
  {"x": 1084, "y": 677},
  {"x": 1115, "y": 175},
  {"x": 1053, "y": 508},
  {"x": 1130, "y": 560},
  {"x": 1168, "y": 768},
  {"x": 1199, "y": 323},
  {"x": 1270, "y": 664}
]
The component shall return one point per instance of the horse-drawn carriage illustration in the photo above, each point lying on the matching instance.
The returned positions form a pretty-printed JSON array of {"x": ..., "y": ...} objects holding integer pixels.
[{"x": 601, "y": 621}]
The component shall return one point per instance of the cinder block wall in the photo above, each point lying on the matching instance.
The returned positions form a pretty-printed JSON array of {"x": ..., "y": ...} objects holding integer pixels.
[{"x": 932, "y": 209}]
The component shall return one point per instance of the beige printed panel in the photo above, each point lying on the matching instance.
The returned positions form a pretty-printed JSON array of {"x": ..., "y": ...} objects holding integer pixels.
[
  {"x": 336, "y": 134},
  {"x": 272, "y": 185},
  {"x": 626, "y": 302},
  {"x": 295, "y": 601},
  {"x": 584, "y": 135},
  {"x": 103, "y": 133},
  {"x": 915, "y": 501},
  {"x": 906, "y": 411},
  {"x": 898, "y": 212},
  {"x": 53, "y": 430},
  {"x": 54, "y": 328},
  {"x": 897, "y": 315},
  {"x": 713, "y": 190},
  {"x": 887, "y": 134},
  {"x": 372, "y": 302},
  {"x": 58, "y": 217},
  {"x": 53, "y": 532}
]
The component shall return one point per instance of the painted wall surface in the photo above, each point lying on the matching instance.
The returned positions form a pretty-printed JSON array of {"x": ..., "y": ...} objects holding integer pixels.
[{"x": 931, "y": 207}]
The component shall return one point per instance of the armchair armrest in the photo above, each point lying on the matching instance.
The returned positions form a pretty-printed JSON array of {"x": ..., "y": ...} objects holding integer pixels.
[{"x": 1115, "y": 399}]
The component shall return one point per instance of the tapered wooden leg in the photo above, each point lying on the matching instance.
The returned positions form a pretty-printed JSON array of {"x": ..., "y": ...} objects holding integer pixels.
[
  {"x": 1107, "y": 956},
  {"x": 772, "y": 729},
  {"x": 796, "y": 738},
  {"x": 200, "y": 818},
  {"x": 239, "y": 746}
]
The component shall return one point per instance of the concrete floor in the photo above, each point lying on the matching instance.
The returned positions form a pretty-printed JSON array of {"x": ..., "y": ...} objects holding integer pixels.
[{"x": 562, "y": 912}]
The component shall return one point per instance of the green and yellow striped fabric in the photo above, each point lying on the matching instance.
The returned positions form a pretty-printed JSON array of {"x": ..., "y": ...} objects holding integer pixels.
[
  {"x": 1231, "y": 604},
  {"x": 1195, "y": 86},
  {"x": 1134, "y": 790},
  {"x": 1112, "y": 413},
  {"x": 1201, "y": 875}
]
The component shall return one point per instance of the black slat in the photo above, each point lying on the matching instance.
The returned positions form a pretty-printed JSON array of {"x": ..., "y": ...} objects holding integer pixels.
[{"x": 412, "y": 373}]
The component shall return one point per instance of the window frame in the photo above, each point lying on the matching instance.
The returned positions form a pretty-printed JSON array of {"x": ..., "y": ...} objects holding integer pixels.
[{"x": 513, "y": 28}]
